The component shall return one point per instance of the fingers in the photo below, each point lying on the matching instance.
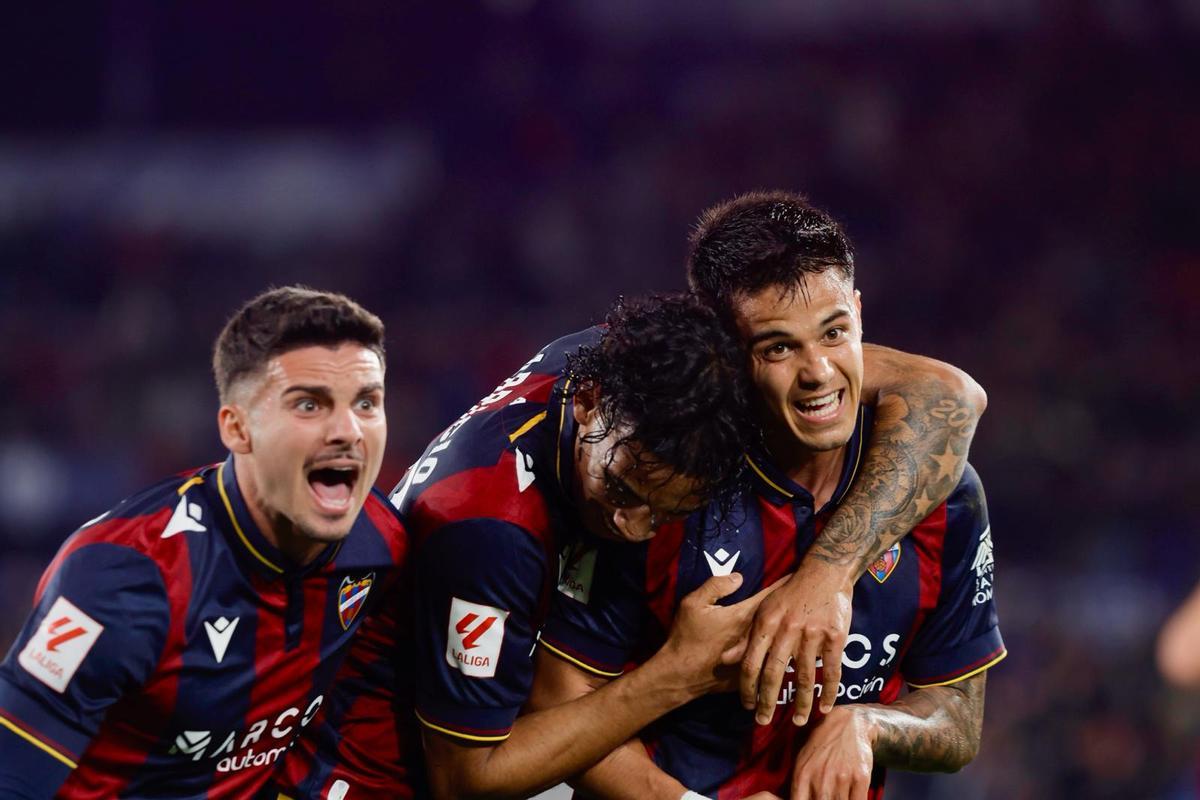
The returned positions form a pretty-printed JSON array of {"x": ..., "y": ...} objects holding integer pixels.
[
  {"x": 715, "y": 588},
  {"x": 805, "y": 666},
  {"x": 831, "y": 671},
  {"x": 761, "y": 635},
  {"x": 860, "y": 786},
  {"x": 774, "y": 670}
]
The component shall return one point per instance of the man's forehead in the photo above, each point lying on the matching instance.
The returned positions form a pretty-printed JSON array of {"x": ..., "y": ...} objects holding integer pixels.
[
  {"x": 345, "y": 360},
  {"x": 349, "y": 365},
  {"x": 811, "y": 299}
]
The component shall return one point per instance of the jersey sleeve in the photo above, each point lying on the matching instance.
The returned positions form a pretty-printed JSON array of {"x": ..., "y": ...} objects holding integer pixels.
[
  {"x": 95, "y": 633},
  {"x": 477, "y": 587},
  {"x": 599, "y": 610},
  {"x": 961, "y": 636}
]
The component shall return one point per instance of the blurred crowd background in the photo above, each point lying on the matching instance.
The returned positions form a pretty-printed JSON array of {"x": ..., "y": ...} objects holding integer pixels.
[{"x": 1020, "y": 178}]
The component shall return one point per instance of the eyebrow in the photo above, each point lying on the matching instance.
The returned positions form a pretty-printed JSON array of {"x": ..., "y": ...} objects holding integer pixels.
[
  {"x": 759, "y": 338},
  {"x": 324, "y": 391},
  {"x": 318, "y": 391},
  {"x": 841, "y": 312},
  {"x": 775, "y": 333},
  {"x": 609, "y": 477}
]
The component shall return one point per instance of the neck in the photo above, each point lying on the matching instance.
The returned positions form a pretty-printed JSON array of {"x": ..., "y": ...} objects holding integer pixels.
[
  {"x": 278, "y": 530},
  {"x": 818, "y": 471}
]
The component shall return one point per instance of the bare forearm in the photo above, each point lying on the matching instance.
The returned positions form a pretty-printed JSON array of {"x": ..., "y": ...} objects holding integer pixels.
[
  {"x": 548, "y": 746},
  {"x": 925, "y": 419},
  {"x": 931, "y": 730},
  {"x": 628, "y": 773}
]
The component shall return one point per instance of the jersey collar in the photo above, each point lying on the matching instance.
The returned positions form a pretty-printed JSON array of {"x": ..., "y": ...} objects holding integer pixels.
[
  {"x": 774, "y": 484},
  {"x": 246, "y": 536}
]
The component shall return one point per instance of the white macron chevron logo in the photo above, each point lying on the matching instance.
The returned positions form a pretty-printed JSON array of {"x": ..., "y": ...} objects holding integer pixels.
[
  {"x": 720, "y": 562},
  {"x": 220, "y": 631}
]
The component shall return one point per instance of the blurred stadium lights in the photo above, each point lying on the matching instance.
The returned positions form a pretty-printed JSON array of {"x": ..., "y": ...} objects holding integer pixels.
[{"x": 271, "y": 190}]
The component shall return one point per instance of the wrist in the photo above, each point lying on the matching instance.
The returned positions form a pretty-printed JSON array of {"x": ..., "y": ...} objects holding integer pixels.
[
  {"x": 839, "y": 575},
  {"x": 665, "y": 677},
  {"x": 865, "y": 718}
]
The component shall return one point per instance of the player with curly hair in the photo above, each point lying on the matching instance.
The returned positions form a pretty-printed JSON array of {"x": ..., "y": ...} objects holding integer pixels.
[{"x": 603, "y": 435}]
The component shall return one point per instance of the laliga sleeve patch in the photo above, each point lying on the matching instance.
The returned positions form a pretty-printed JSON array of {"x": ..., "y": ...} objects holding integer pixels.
[
  {"x": 474, "y": 637},
  {"x": 59, "y": 645}
]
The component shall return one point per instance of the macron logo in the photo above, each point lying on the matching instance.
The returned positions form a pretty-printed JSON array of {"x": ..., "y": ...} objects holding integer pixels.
[
  {"x": 720, "y": 562},
  {"x": 192, "y": 743},
  {"x": 524, "y": 470},
  {"x": 220, "y": 631},
  {"x": 186, "y": 519},
  {"x": 474, "y": 637}
]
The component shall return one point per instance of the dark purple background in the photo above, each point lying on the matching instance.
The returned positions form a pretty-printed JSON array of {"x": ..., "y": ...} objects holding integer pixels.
[{"x": 1020, "y": 178}]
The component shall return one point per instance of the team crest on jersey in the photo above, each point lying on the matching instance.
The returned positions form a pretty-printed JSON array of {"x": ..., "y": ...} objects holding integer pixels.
[
  {"x": 351, "y": 596},
  {"x": 883, "y": 566}
]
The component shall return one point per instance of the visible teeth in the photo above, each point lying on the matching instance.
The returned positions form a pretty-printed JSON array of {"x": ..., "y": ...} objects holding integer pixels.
[{"x": 821, "y": 406}]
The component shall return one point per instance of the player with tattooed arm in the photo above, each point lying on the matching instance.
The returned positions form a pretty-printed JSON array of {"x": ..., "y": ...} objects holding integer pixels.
[{"x": 781, "y": 272}]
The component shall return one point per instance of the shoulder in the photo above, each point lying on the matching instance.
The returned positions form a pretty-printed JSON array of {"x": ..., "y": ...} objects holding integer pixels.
[{"x": 149, "y": 522}]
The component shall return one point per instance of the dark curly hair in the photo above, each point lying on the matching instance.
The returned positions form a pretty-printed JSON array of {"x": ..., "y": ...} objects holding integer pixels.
[
  {"x": 279, "y": 320},
  {"x": 763, "y": 239},
  {"x": 672, "y": 379}
]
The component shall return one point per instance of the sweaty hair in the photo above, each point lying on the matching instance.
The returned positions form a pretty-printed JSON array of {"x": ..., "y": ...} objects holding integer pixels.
[
  {"x": 279, "y": 320},
  {"x": 672, "y": 380},
  {"x": 763, "y": 239}
]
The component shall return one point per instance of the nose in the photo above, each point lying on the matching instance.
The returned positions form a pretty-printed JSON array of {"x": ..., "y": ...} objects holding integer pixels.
[
  {"x": 815, "y": 370},
  {"x": 635, "y": 524},
  {"x": 343, "y": 428}
]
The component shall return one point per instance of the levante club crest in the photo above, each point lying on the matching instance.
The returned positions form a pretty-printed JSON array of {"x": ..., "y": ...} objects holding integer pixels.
[
  {"x": 882, "y": 567},
  {"x": 351, "y": 596}
]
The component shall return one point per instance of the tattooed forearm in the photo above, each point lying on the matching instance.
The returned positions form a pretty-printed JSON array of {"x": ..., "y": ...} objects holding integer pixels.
[
  {"x": 931, "y": 730},
  {"x": 925, "y": 418}
]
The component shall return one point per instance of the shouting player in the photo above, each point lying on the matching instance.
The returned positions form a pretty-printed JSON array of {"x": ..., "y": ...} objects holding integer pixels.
[
  {"x": 782, "y": 273},
  {"x": 180, "y": 641}
]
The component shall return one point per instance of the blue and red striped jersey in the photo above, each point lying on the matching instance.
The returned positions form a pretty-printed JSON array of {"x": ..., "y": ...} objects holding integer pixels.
[
  {"x": 173, "y": 652},
  {"x": 922, "y": 614},
  {"x": 489, "y": 508}
]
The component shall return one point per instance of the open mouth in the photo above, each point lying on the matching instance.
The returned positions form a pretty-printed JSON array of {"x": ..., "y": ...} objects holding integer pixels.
[
  {"x": 820, "y": 409},
  {"x": 333, "y": 487}
]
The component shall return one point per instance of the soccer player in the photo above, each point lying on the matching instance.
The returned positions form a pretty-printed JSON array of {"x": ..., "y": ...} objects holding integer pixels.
[
  {"x": 782, "y": 273},
  {"x": 181, "y": 640},
  {"x": 491, "y": 503},
  {"x": 603, "y": 434}
]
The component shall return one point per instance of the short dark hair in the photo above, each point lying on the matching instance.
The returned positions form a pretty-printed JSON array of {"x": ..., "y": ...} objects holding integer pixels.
[
  {"x": 279, "y": 320},
  {"x": 763, "y": 239},
  {"x": 667, "y": 371}
]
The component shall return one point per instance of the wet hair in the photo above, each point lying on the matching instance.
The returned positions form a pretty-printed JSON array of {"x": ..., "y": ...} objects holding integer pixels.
[
  {"x": 671, "y": 379},
  {"x": 763, "y": 239},
  {"x": 279, "y": 320}
]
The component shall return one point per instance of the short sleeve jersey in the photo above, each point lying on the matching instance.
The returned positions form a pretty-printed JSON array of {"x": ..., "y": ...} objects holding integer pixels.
[
  {"x": 923, "y": 614},
  {"x": 489, "y": 507},
  {"x": 173, "y": 652}
]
